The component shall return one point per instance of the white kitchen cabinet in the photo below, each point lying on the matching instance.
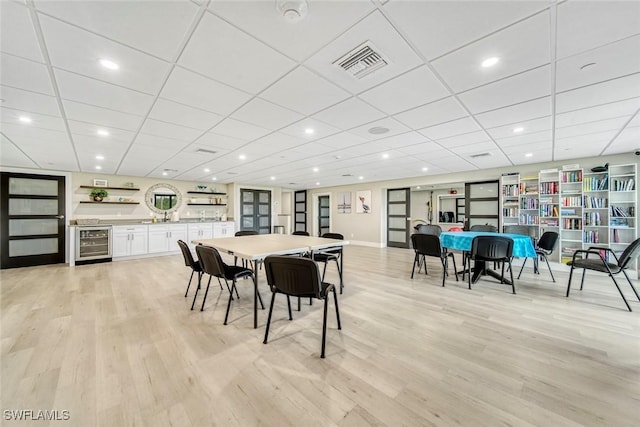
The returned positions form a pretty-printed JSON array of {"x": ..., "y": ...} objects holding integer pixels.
[
  {"x": 129, "y": 240},
  {"x": 223, "y": 229},
  {"x": 200, "y": 230},
  {"x": 164, "y": 237}
]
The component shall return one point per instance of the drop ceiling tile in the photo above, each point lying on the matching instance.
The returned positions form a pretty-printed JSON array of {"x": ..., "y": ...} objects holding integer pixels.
[
  {"x": 8, "y": 115},
  {"x": 212, "y": 140},
  {"x": 140, "y": 160},
  {"x": 394, "y": 126},
  {"x": 594, "y": 127},
  {"x": 495, "y": 160},
  {"x": 29, "y": 102},
  {"x": 452, "y": 128},
  {"x": 306, "y": 151},
  {"x": 23, "y": 134},
  {"x": 183, "y": 115},
  {"x": 11, "y": 155},
  {"x": 635, "y": 121},
  {"x": 131, "y": 22},
  {"x": 376, "y": 30},
  {"x": 272, "y": 143},
  {"x": 462, "y": 69},
  {"x": 74, "y": 87},
  {"x": 480, "y": 147},
  {"x": 627, "y": 141},
  {"x": 465, "y": 139},
  {"x": 320, "y": 130},
  {"x": 266, "y": 114},
  {"x": 432, "y": 114},
  {"x": 349, "y": 114},
  {"x": 101, "y": 117},
  {"x": 582, "y": 142},
  {"x": 239, "y": 130},
  {"x": 440, "y": 27},
  {"x": 154, "y": 141},
  {"x": 524, "y": 111},
  {"x": 512, "y": 90},
  {"x": 528, "y": 126},
  {"x": 533, "y": 139},
  {"x": 17, "y": 34},
  {"x": 325, "y": 20},
  {"x": 247, "y": 63},
  {"x": 169, "y": 130},
  {"x": 606, "y": 111},
  {"x": 619, "y": 89},
  {"x": 192, "y": 89},
  {"x": 582, "y": 25},
  {"x": 519, "y": 151},
  {"x": 305, "y": 92},
  {"x": 423, "y": 148},
  {"x": 80, "y": 51},
  {"x": 415, "y": 88},
  {"x": 25, "y": 74},
  {"x": 342, "y": 140},
  {"x": 94, "y": 145},
  {"x": 610, "y": 61}
]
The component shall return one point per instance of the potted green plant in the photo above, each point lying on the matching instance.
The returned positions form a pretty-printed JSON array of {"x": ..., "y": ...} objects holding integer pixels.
[{"x": 98, "y": 194}]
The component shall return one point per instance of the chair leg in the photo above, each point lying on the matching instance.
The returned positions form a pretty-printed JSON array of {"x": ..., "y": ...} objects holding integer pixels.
[
  {"x": 189, "y": 285},
  {"x": 584, "y": 272},
  {"x": 220, "y": 283},
  {"x": 205, "y": 294},
  {"x": 289, "y": 307},
  {"x": 416, "y": 259},
  {"x": 424, "y": 261},
  {"x": 513, "y": 284},
  {"x": 501, "y": 273},
  {"x": 469, "y": 273},
  {"x": 620, "y": 291},
  {"x": 193, "y": 303},
  {"x": 445, "y": 262},
  {"x": 631, "y": 284},
  {"x": 226, "y": 316},
  {"x": 266, "y": 331},
  {"x": 339, "y": 272},
  {"x": 335, "y": 301},
  {"x": 569, "y": 284},
  {"x": 324, "y": 270},
  {"x": 522, "y": 268},
  {"x": 455, "y": 269},
  {"x": 324, "y": 326}
]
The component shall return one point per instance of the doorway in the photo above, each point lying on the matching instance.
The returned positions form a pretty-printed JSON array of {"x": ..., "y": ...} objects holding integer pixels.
[
  {"x": 398, "y": 219},
  {"x": 300, "y": 211},
  {"x": 32, "y": 225},
  {"x": 255, "y": 210},
  {"x": 324, "y": 215}
]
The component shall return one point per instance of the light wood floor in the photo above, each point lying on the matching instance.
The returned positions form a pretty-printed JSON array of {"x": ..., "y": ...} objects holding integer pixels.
[{"x": 116, "y": 345}]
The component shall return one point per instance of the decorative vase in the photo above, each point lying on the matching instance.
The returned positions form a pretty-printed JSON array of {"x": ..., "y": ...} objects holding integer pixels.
[{"x": 97, "y": 198}]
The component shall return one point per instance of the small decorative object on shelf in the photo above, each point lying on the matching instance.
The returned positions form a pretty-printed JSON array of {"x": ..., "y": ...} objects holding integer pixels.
[
  {"x": 98, "y": 194},
  {"x": 201, "y": 187},
  {"x": 128, "y": 185},
  {"x": 100, "y": 183}
]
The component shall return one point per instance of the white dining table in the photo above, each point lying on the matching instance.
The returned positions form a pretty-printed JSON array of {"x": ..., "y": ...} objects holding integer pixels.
[{"x": 257, "y": 247}]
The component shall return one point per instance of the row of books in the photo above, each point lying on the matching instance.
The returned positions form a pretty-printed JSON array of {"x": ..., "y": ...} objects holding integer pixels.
[
  {"x": 549, "y": 210},
  {"x": 622, "y": 184},
  {"x": 595, "y": 202},
  {"x": 529, "y": 188},
  {"x": 590, "y": 236},
  {"x": 529, "y": 204},
  {"x": 592, "y": 218},
  {"x": 572, "y": 223},
  {"x": 529, "y": 219},
  {"x": 593, "y": 183},
  {"x": 549, "y": 187},
  {"x": 511, "y": 190},
  {"x": 571, "y": 201},
  {"x": 510, "y": 212},
  {"x": 622, "y": 211},
  {"x": 572, "y": 176}
]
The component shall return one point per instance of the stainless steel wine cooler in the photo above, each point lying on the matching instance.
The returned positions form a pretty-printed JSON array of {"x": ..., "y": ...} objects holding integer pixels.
[{"x": 93, "y": 244}]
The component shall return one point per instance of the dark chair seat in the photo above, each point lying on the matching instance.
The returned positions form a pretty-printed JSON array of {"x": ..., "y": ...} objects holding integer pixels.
[
  {"x": 326, "y": 255},
  {"x": 426, "y": 245},
  {"x": 595, "y": 264},
  {"x": 492, "y": 248}
]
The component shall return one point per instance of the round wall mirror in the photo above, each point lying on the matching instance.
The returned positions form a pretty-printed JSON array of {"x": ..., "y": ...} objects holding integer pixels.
[{"x": 163, "y": 198}]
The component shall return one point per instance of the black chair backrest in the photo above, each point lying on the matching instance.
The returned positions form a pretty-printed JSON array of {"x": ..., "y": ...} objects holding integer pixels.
[
  {"x": 436, "y": 230},
  {"x": 186, "y": 254},
  {"x": 426, "y": 244},
  {"x": 300, "y": 233},
  {"x": 491, "y": 248},
  {"x": 210, "y": 260},
  {"x": 295, "y": 276},
  {"x": 484, "y": 227},
  {"x": 336, "y": 236},
  {"x": 548, "y": 241},
  {"x": 246, "y": 233},
  {"x": 517, "y": 229},
  {"x": 630, "y": 254}
]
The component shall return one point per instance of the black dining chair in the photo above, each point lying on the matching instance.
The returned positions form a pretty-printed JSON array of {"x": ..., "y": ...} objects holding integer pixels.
[
  {"x": 426, "y": 245},
  {"x": 544, "y": 248},
  {"x": 327, "y": 255},
  {"x": 491, "y": 249},
  {"x": 240, "y": 234},
  {"x": 517, "y": 229},
  {"x": 600, "y": 263},
  {"x": 191, "y": 263},
  {"x": 434, "y": 229},
  {"x": 298, "y": 277},
  {"x": 213, "y": 265},
  {"x": 484, "y": 227},
  {"x": 300, "y": 233}
]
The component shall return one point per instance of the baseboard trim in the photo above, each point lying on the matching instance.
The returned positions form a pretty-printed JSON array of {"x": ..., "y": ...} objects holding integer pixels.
[{"x": 368, "y": 244}]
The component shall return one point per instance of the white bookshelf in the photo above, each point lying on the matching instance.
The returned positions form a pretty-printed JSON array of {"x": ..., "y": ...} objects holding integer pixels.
[
  {"x": 571, "y": 215},
  {"x": 622, "y": 206},
  {"x": 529, "y": 204},
  {"x": 509, "y": 200},
  {"x": 549, "y": 200}
]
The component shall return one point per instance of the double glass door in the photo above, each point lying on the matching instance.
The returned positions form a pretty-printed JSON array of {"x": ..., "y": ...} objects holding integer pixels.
[
  {"x": 32, "y": 225},
  {"x": 255, "y": 210}
]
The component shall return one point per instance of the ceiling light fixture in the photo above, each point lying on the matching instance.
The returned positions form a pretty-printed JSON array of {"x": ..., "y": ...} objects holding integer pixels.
[
  {"x": 518, "y": 130},
  {"x": 108, "y": 64},
  {"x": 273, "y": 178},
  {"x": 292, "y": 10},
  {"x": 242, "y": 157},
  {"x": 424, "y": 169},
  {"x": 317, "y": 183},
  {"x": 25, "y": 119},
  {"x": 309, "y": 131},
  {"x": 361, "y": 177},
  {"x": 316, "y": 169},
  {"x": 102, "y": 132},
  {"x": 207, "y": 170},
  {"x": 98, "y": 167},
  {"x": 213, "y": 178},
  {"x": 165, "y": 173},
  {"x": 378, "y": 130},
  {"x": 529, "y": 155},
  {"x": 385, "y": 155},
  {"x": 99, "y": 157},
  {"x": 418, "y": 187},
  {"x": 490, "y": 62}
]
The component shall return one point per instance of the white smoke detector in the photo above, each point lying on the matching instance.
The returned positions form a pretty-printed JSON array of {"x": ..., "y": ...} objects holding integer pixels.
[{"x": 292, "y": 10}]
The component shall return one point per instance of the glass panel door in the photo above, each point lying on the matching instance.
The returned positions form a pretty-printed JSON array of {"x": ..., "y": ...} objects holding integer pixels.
[
  {"x": 482, "y": 203},
  {"x": 300, "y": 211},
  {"x": 324, "y": 215},
  {"x": 398, "y": 208},
  {"x": 255, "y": 210},
  {"x": 33, "y": 226}
]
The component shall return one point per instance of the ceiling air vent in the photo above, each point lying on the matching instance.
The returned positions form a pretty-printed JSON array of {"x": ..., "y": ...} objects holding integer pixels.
[
  {"x": 205, "y": 151},
  {"x": 475, "y": 156},
  {"x": 361, "y": 61}
]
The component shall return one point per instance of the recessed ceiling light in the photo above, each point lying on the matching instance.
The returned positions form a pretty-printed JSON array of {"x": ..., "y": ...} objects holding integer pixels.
[
  {"x": 242, "y": 157},
  {"x": 418, "y": 187},
  {"x": 518, "y": 129},
  {"x": 337, "y": 157},
  {"x": 309, "y": 131},
  {"x": 273, "y": 178},
  {"x": 317, "y": 183},
  {"x": 98, "y": 167},
  {"x": 99, "y": 157},
  {"x": 213, "y": 178},
  {"x": 207, "y": 170},
  {"x": 378, "y": 130},
  {"x": 490, "y": 62},
  {"x": 361, "y": 177},
  {"x": 316, "y": 169},
  {"x": 529, "y": 155},
  {"x": 106, "y": 63},
  {"x": 102, "y": 132},
  {"x": 424, "y": 169},
  {"x": 25, "y": 119},
  {"x": 385, "y": 155},
  {"x": 165, "y": 173}
]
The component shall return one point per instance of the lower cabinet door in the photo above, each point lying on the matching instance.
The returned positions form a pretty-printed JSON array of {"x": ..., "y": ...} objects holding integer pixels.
[
  {"x": 121, "y": 244},
  {"x": 138, "y": 243}
]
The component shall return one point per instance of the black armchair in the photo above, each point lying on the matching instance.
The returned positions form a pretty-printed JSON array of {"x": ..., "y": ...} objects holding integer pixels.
[
  {"x": 429, "y": 245},
  {"x": 600, "y": 263},
  {"x": 191, "y": 263},
  {"x": 544, "y": 248}
]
